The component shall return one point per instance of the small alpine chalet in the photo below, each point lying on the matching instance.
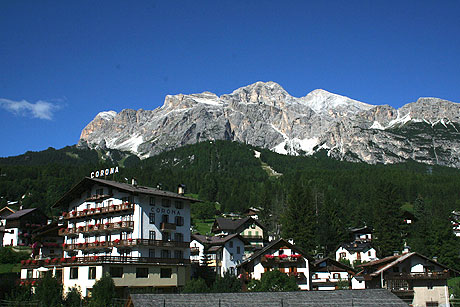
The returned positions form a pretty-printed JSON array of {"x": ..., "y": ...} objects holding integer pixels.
[{"x": 140, "y": 235}]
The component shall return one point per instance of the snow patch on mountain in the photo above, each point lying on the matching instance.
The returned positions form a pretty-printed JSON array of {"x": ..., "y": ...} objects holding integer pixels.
[{"x": 107, "y": 115}]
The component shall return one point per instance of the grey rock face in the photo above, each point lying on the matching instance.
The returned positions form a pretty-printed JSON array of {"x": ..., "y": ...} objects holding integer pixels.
[{"x": 265, "y": 115}]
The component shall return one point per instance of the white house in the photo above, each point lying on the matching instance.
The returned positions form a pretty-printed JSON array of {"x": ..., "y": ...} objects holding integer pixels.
[
  {"x": 4, "y": 212},
  {"x": 356, "y": 252},
  {"x": 20, "y": 225},
  {"x": 418, "y": 280},
  {"x": 140, "y": 235},
  {"x": 363, "y": 234},
  {"x": 328, "y": 274},
  {"x": 225, "y": 251},
  {"x": 278, "y": 255}
]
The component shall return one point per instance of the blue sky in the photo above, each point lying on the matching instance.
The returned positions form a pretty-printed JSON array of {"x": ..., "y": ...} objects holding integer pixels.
[{"x": 62, "y": 62}]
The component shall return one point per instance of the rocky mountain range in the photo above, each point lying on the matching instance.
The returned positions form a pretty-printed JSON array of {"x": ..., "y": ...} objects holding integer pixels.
[{"x": 263, "y": 114}]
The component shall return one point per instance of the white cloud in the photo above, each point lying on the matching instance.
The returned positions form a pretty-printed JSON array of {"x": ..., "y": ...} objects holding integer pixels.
[{"x": 40, "y": 109}]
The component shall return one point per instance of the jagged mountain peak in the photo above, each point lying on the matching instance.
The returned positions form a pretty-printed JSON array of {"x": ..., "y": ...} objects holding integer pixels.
[{"x": 263, "y": 114}]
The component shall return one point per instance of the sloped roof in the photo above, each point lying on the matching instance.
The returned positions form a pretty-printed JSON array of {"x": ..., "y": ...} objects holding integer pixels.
[
  {"x": 216, "y": 240},
  {"x": 274, "y": 244},
  {"x": 6, "y": 211},
  {"x": 357, "y": 246},
  {"x": 20, "y": 213},
  {"x": 365, "y": 229},
  {"x": 393, "y": 260},
  {"x": 232, "y": 225},
  {"x": 87, "y": 182},
  {"x": 357, "y": 298},
  {"x": 331, "y": 262}
]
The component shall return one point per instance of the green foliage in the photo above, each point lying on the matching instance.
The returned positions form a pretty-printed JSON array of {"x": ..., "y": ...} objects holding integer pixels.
[
  {"x": 345, "y": 261},
  {"x": 454, "y": 287},
  {"x": 203, "y": 210},
  {"x": 387, "y": 220},
  {"x": 299, "y": 219},
  {"x": 343, "y": 284},
  {"x": 49, "y": 291},
  {"x": 196, "y": 286},
  {"x": 8, "y": 255},
  {"x": 342, "y": 194},
  {"x": 73, "y": 298},
  {"x": 274, "y": 281},
  {"x": 229, "y": 283},
  {"x": 21, "y": 295},
  {"x": 103, "y": 292}
]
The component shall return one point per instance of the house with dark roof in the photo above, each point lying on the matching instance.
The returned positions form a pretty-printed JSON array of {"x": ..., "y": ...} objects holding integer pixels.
[
  {"x": 4, "y": 212},
  {"x": 339, "y": 298},
  {"x": 328, "y": 274},
  {"x": 225, "y": 252},
  {"x": 418, "y": 280},
  {"x": 249, "y": 228},
  {"x": 278, "y": 255},
  {"x": 20, "y": 224},
  {"x": 139, "y": 235},
  {"x": 356, "y": 252},
  {"x": 47, "y": 243},
  {"x": 362, "y": 234}
]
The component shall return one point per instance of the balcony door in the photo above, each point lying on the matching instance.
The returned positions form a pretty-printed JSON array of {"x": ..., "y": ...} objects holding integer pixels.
[{"x": 152, "y": 235}]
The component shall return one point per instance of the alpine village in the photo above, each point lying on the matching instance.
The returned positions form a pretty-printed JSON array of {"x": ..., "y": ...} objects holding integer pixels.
[{"x": 222, "y": 222}]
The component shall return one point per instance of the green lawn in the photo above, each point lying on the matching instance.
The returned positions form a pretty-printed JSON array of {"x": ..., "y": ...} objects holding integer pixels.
[
  {"x": 10, "y": 268},
  {"x": 204, "y": 226}
]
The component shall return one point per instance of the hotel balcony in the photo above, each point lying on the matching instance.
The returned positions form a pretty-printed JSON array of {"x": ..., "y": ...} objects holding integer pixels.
[
  {"x": 422, "y": 275},
  {"x": 98, "y": 228},
  {"x": 101, "y": 260},
  {"x": 124, "y": 243},
  {"x": 268, "y": 260},
  {"x": 98, "y": 211},
  {"x": 167, "y": 226}
]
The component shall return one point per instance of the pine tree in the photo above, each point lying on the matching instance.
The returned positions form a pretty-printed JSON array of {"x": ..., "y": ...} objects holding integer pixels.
[
  {"x": 387, "y": 220},
  {"x": 299, "y": 219}
]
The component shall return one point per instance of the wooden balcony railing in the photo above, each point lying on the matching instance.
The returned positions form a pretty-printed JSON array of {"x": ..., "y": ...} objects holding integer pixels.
[
  {"x": 103, "y": 259},
  {"x": 124, "y": 243},
  {"x": 107, "y": 227},
  {"x": 167, "y": 226},
  {"x": 97, "y": 211},
  {"x": 276, "y": 259},
  {"x": 422, "y": 275}
]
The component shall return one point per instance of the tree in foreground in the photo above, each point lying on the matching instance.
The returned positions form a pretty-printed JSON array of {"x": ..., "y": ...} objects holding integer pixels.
[
  {"x": 103, "y": 292},
  {"x": 227, "y": 284},
  {"x": 197, "y": 285},
  {"x": 49, "y": 291},
  {"x": 73, "y": 298},
  {"x": 274, "y": 281}
]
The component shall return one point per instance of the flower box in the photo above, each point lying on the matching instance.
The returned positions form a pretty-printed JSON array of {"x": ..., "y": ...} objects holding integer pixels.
[
  {"x": 85, "y": 210},
  {"x": 63, "y": 260},
  {"x": 130, "y": 240},
  {"x": 283, "y": 256},
  {"x": 54, "y": 260},
  {"x": 64, "y": 214},
  {"x": 64, "y": 245},
  {"x": 23, "y": 262},
  {"x": 95, "y": 258},
  {"x": 269, "y": 257},
  {"x": 297, "y": 256},
  {"x": 73, "y": 259},
  {"x": 47, "y": 261}
]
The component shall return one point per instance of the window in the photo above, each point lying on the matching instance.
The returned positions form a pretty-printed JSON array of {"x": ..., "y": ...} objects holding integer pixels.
[
  {"x": 178, "y": 237},
  {"x": 230, "y": 244},
  {"x": 73, "y": 273},
  {"x": 92, "y": 272},
  {"x": 432, "y": 304},
  {"x": 165, "y": 253},
  {"x": 152, "y": 201},
  {"x": 142, "y": 272},
  {"x": 151, "y": 218},
  {"x": 29, "y": 274},
  {"x": 369, "y": 253},
  {"x": 179, "y": 254},
  {"x": 116, "y": 271},
  {"x": 238, "y": 250},
  {"x": 179, "y": 220},
  {"x": 151, "y": 253},
  {"x": 165, "y": 273},
  {"x": 336, "y": 275},
  {"x": 430, "y": 285},
  {"x": 343, "y": 255},
  {"x": 315, "y": 276},
  {"x": 165, "y": 218},
  {"x": 166, "y": 202},
  {"x": 152, "y": 235},
  {"x": 165, "y": 236},
  {"x": 179, "y": 204}
]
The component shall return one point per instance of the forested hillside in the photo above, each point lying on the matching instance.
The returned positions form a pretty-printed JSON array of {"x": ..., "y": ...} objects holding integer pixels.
[{"x": 311, "y": 199}]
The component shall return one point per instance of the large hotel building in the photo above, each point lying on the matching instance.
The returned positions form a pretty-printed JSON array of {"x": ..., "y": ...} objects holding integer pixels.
[{"x": 139, "y": 235}]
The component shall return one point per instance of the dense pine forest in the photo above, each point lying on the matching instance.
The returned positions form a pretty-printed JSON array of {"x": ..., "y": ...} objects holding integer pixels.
[{"x": 311, "y": 199}]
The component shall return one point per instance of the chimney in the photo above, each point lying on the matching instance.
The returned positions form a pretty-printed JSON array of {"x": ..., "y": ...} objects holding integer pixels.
[
  {"x": 406, "y": 249},
  {"x": 395, "y": 253},
  {"x": 181, "y": 189},
  {"x": 134, "y": 182},
  {"x": 159, "y": 186},
  {"x": 435, "y": 259}
]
